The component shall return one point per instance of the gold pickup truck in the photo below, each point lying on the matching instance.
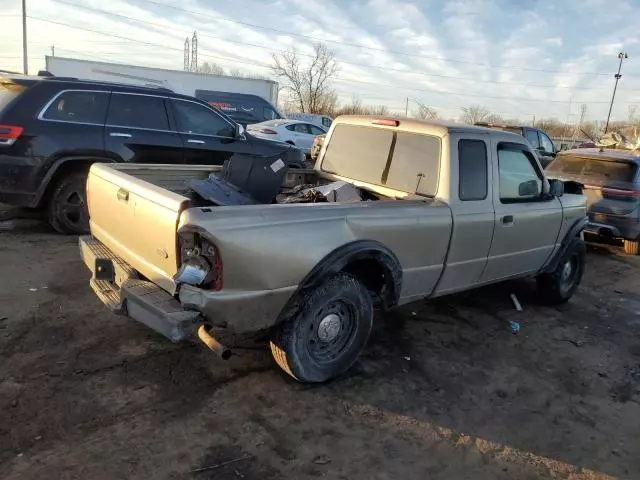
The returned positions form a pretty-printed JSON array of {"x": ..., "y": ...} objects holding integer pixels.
[{"x": 438, "y": 208}]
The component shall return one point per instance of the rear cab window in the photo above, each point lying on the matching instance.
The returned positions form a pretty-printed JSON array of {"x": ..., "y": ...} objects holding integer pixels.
[
  {"x": 386, "y": 158},
  {"x": 78, "y": 106}
]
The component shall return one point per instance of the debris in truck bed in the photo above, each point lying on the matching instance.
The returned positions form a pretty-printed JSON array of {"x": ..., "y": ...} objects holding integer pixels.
[
  {"x": 220, "y": 192},
  {"x": 339, "y": 191},
  {"x": 301, "y": 194},
  {"x": 244, "y": 180}
]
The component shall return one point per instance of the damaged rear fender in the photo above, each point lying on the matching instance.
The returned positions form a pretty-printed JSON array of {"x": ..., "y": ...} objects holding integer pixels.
[{"x": 374, "y": 264}]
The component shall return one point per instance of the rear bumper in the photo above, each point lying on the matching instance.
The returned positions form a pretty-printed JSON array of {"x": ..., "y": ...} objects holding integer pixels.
[
  {"x": 613, "y": 226},
  {"x": 120, "y": 289},
  {"x": 124, "y": 293}
]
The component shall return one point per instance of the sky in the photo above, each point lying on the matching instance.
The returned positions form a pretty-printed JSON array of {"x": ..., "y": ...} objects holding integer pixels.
[{"x": 519, "y": 59}]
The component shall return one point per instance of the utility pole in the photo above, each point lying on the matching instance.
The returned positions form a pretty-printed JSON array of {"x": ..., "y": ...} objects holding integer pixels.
[
  {"x": 53, "y": 50},
  {"x": 406, "y": 108},
  {"x": 25, "y": 59},
  {"x": 617, "y": 76}
]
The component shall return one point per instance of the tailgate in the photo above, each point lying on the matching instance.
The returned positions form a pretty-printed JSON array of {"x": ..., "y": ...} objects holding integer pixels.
[{"x": 136, "y": 220}]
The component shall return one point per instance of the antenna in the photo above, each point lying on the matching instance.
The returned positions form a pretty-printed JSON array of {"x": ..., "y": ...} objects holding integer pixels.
[
  {"x": 194, "y": 52},
  {"x": 186, "y": 54}
]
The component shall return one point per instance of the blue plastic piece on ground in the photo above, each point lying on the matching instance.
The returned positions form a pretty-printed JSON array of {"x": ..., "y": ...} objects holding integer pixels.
[{"x": 514, "y": 326}]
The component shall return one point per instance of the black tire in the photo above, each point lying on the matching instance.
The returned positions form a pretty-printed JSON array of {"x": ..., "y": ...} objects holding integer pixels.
[
  {"x": 307, "y": 345},
  {"x": 67, "y": 210},
  {"x": 631, "y": 247},
  {"x": 558, "y": 286}
]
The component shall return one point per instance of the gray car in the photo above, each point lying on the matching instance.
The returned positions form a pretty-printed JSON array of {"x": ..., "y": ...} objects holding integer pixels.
[{"x": 612, "y": 188}]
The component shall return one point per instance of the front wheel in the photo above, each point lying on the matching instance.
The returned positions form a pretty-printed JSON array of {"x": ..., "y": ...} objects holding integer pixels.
[
  {"x": 558, "y": 286},
  {"x": 328, "y": 332},
  {"x": 67, "y": 209}
]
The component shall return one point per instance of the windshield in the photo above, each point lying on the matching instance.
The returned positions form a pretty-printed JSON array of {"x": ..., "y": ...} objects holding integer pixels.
[
  {"x": 592, "y": 169},
  {"x": 409, "y": 164}
]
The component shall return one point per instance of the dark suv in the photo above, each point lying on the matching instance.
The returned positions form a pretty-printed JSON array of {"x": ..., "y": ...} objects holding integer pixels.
[
  {"x": 52, "y": 129},
  {"x": 539, "y": 140}
]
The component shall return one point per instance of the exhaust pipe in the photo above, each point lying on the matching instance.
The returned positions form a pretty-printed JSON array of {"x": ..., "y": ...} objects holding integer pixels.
[{"x": 214, "y": 345}]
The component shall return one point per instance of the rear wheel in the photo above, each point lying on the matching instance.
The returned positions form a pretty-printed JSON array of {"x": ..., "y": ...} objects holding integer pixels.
[
  {"x": 631, "y": 247},
  {"x": 67, "y": 210},
  {"x": 328, "y": 332},
  {"x": 558, "y": 286}
]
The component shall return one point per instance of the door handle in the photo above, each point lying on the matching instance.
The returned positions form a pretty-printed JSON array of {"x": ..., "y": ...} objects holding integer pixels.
[
  {"x": 123, "y": 195},
  {"x": 120, "y": 134},
  {"x": 199, "y": 142},
  {"x": 507, "y": 220}
]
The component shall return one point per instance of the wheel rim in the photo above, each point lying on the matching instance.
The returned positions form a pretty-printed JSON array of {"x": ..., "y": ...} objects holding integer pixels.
[
  {"x": 569, "y": 273},
  {"x": 332, "y": 331},
  {"x": 73, "y": 209}
]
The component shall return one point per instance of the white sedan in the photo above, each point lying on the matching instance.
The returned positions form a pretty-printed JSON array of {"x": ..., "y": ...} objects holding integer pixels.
[{"x": 294, "y": 132}]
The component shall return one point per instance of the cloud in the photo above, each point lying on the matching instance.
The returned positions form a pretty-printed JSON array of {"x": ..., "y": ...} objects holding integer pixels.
[{"x": 518, "y": 59}]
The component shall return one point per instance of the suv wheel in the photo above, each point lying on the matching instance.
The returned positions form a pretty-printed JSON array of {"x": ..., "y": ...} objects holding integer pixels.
[
  {"x": 325, "y": 337},
  {"x": 558, "y": 286},
  {"x": 67, "y": 209},
  {"x": 631, "y": 247}
]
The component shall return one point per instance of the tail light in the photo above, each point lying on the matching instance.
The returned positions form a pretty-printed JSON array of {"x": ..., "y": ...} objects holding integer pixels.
[
  {"x": 620, "y": 193},
  {"x": 268, "y": 131},
  {"x": 9, "y": 134},
  {"x": 201, "y": 263}
]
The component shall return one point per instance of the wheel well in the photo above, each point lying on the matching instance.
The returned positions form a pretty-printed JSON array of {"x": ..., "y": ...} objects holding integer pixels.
[
  {"x": 377, "y": 278},
  {"x": 369, "y": 272},
  {"x": 63, "y": 170}
]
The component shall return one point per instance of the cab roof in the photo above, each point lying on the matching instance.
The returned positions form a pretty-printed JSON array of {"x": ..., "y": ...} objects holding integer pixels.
[{"x": 437, "y": 127}]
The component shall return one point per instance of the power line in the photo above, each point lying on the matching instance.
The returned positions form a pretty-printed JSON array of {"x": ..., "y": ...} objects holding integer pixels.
[
  {"x": 366, "y": 47},
  {"x": 259, "y": 64},
  {"x": 366, "y": 65}
]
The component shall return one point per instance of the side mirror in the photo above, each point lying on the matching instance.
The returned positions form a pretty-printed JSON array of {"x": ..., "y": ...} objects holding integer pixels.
[
  {"x": 556, "y": 188},
  {"x": 528, "y": 189},
  {"x": 239, "y": 133}
]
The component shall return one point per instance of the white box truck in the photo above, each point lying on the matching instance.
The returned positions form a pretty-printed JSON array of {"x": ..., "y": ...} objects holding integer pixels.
[{"x": 246, "y": 100}]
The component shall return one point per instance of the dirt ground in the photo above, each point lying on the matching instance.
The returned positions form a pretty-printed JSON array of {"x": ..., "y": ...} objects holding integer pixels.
[{"x": 444, "y": 391}]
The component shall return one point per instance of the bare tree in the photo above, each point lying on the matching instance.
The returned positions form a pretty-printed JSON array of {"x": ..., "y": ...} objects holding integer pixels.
[
  {"x": 474, "y": 114},
  {"x": 211, "y": 69},
  {"x": 424, "y": 112},
  {"x": 632, "y": 114},
  {"x": 308, "y": 83}
]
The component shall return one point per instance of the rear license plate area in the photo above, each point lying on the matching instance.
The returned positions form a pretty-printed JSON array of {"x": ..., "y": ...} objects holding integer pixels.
[{"x": 104, "y": 270}]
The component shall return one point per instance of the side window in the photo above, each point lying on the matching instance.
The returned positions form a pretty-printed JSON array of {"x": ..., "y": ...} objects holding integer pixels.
[
  {"x": 198, "y": 119},
  {"x": 269, "y": 113},
  {"x": 532, "y": 136},
  {"x": 316, "y": 131},
  {"x": 472, "y": 166},
  {"x": 519, "y": 180},
  {"x": 546, "y": 143},
  {"x": 291, "y": 128},
  {"x": 77, "y": 106},
  {"x": 138, "y": 111},
  {"x": 301, "y": 128},
  {"x": 326, "y": 121}
]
